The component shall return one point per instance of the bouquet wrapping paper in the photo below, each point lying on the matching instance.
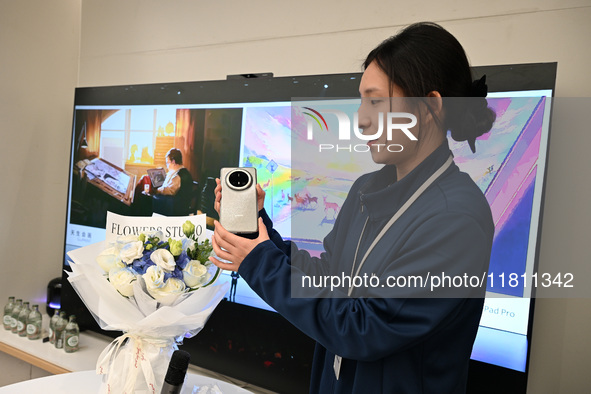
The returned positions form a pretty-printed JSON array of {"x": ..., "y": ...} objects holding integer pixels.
[{"x": 136, "y": 362}]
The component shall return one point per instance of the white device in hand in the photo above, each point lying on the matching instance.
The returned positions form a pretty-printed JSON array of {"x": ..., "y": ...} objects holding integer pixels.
[{"x": 238, "y": 206}]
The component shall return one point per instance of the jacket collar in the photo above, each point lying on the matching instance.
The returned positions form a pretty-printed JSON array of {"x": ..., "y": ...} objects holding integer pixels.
[{"x": 382, "y": 195}]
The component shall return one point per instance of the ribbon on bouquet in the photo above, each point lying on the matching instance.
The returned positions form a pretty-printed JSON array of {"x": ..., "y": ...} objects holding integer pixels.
[{"x": 108, "y": 357}]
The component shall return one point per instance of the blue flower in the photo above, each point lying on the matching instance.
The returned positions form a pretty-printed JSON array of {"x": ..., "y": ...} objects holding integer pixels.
[
  {"x": 177, "y": 273},
  {"x": 142, "y": 264},
  {"x": 182, "y": 260}
]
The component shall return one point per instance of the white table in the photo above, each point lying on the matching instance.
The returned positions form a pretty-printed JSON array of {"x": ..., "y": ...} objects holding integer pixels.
[
  {"x": 88, "y": 382},
  {"x": 56, "y": 361}
]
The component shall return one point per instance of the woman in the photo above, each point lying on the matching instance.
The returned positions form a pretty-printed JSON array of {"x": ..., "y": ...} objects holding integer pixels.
[{"x": 368, "y": 342}]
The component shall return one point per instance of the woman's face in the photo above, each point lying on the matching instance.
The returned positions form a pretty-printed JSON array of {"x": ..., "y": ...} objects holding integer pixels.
[{"x": 376, "y": 98}]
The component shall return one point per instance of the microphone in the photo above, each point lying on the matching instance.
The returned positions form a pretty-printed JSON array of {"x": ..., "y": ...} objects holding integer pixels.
[{"x": 175, "y": 375}]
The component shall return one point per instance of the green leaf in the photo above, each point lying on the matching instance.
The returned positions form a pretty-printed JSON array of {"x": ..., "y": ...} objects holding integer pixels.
[{"x": 215, "y": 277}]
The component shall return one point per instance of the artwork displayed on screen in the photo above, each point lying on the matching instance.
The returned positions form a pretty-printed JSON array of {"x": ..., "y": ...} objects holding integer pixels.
[
  {"x": 266, "y": 145},
  {"x": 119, "y": 152}
]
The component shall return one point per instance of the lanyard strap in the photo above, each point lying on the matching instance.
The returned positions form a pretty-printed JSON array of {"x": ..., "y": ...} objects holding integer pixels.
[{"x": 396, "y": 216}]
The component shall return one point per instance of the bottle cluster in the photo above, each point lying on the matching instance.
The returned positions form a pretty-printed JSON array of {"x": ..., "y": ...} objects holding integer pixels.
[
  {"x": 64, "y": 332},
  {"x": 27, "y": 321}
]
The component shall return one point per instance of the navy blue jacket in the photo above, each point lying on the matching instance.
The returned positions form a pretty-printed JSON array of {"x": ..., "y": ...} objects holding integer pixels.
[{"x": 387, "y": 344}]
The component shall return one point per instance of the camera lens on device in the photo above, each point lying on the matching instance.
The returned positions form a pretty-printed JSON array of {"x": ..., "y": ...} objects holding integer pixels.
[{"x": 239, "y": 179}]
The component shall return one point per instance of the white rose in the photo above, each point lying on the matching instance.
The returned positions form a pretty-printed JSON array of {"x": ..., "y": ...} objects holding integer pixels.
[
  {"x": 173, "y": 286},
  {"x": 164, "y": 292},
  {"x": 163, "y": 259},
  {"x": 131, "y": 251},
  {"x": 154, "y": 278},
  {"x": 195, "y": 274},
  {"x": 122, "y": 279},
  {"x": 109, "y": 259}
]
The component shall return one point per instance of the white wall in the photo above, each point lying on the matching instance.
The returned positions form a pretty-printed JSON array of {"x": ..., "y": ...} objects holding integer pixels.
[
  {"x": 39, "y": 42},
  {"x": 145, "y": 41},
  {"x": 155, "y": 41}
]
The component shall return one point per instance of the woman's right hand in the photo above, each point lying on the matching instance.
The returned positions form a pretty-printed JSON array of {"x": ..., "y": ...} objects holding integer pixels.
[{"x": 218, "y": 196}]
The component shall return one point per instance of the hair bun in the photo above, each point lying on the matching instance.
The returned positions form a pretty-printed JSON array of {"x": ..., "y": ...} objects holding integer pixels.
[
  {"x": 469, "y": 118},
  {"x": 479, "y": 87}
]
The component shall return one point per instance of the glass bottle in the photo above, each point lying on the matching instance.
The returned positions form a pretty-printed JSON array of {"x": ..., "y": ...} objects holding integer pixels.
[
  {"x": 6, "y": 318},
  {"x": 34, "y": 323},
  {"x": 71, "y": 336},
  {"x": 22, "y": 320},
  {"x": 60, "y": 326},
  {"x": 52, "y": 321},
  {"x": 14, "y": 315}
]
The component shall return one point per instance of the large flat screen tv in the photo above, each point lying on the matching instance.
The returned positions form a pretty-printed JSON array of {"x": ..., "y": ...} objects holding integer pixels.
[{"x": 121, "y": 132}]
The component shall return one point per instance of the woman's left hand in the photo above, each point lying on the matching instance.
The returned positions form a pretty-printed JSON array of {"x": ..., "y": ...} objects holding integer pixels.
[{"x": 232, "y": 247}]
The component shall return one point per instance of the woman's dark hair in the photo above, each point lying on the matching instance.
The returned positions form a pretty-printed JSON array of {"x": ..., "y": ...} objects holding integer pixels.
[
  {"x": 176, "y": 155},
  {"x": 424, "y": 57}
]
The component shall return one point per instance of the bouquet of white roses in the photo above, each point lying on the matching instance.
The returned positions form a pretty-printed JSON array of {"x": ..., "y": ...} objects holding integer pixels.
[
  {"x": 157, "y": 287},
  {"x": 168, "y": 268}
]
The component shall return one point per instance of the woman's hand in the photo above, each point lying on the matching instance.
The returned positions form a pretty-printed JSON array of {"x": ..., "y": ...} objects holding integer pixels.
[
  {"x": 232, "y": 247},
  {"x": 260, "y": 197},
  {"x": 218, "y": 196}
]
